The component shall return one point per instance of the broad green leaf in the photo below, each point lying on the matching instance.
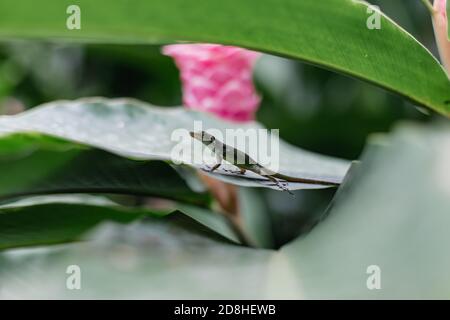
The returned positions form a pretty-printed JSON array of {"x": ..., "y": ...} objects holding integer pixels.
[
  {"x": 333, "y": 34},
  {"x": 43, "y": 220},
  {"x": 256, "y": 220},
  {"x": 141, "y": 132},
  {"x": 37, "y": 165},
  {"x": 157, "y": 259},
  {"x": 33, "y": 165},
  {"x": 213, "y": 220},
  {"x": 392, "y": 212}
]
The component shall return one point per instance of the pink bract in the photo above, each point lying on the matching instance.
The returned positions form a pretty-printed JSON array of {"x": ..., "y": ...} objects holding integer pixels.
[
  {"x": 440, "y": 24},
  {"x": 217, "y": 79}
]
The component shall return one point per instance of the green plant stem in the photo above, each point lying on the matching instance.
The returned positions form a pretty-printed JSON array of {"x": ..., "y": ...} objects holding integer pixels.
[{"x": 428, "y": 4}]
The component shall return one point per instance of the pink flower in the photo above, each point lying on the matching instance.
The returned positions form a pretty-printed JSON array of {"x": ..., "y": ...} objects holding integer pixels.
[
  {"x": 440, "y": 25},
  {"x": 217, "y": 79}
]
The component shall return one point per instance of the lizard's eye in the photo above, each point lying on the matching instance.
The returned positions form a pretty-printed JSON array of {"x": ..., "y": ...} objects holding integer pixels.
[{"x": 213, "y": 138}]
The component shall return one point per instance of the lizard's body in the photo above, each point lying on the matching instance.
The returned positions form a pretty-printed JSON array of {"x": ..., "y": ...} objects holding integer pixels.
[{"x": 244, "y": 162}]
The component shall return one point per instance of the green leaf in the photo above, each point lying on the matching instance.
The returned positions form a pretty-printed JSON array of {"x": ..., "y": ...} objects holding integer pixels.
[
  {"x": 43, "y": 220},
  {"x": 255, "y": 218},
  {"x": 392, "y": 212},
  {"x": 159, "y": 258},
  {"x": 400, "y": 227},
  {"x": 332, "y": 34},
  {"x": 141, "y": 132},
  {"x": 213, "y": 220},
  {"x": 40, "y": 221},
  {"x": 37, "y": 165},
  {"x": 33, "y": 164}
]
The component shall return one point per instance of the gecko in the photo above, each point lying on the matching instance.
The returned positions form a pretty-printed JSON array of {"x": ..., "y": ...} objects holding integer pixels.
[{"x": 232, "y": 155}]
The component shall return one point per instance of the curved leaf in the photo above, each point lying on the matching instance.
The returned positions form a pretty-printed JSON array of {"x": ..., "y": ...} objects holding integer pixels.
[
  {"x": 32, "y": 165},
  {"x": 139, "y": 131},
  {"x": 332, "y": 34},
  {"x": 176, "y": 256},
  {"x": 44, "y": 220},
  {"x": 41, "y": 222},
  {"x": 392, "y": 212}
]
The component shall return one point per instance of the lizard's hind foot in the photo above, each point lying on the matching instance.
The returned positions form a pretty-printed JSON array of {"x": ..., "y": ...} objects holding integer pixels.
[
  {"x": 283, "y": 185},
  {"x": 210, "y": 169}
]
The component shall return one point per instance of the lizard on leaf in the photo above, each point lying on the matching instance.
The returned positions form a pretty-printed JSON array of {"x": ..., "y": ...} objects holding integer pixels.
[{"x": 244, "y": 162}]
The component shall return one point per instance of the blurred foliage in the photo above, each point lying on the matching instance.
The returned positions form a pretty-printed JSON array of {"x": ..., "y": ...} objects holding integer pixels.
[
  {"x": 62, "y": 155},
  {"x": 314, "y": 108},
  {"x": 337, "y": 113},
  {"x": 392, "y": 211}
]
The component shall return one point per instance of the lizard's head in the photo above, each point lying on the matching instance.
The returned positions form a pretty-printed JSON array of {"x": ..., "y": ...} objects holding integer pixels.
[{"x": 203, "y": 137}]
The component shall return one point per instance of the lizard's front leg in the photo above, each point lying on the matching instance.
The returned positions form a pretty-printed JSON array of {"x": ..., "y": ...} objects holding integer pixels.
[
  {"x": 218, "y": 164},
  {"x": 215, "y": 167}
]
